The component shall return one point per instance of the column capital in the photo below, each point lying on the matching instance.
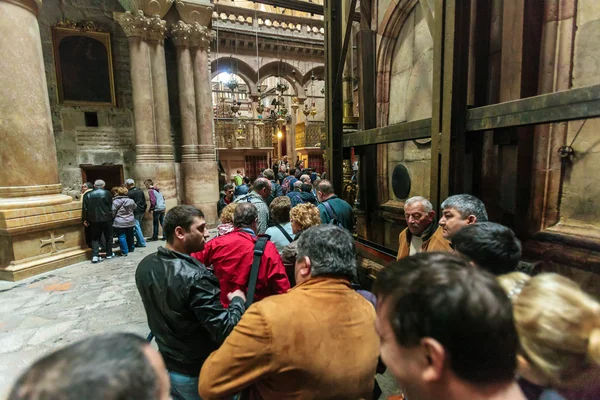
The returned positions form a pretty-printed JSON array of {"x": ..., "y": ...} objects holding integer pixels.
[
  {"x": 192, "y": 35},
  {"x": 196, "y": 11},
  {"x": 137, "y": 24}
]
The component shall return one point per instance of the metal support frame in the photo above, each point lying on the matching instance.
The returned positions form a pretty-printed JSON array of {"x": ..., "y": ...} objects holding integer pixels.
[
  {"x": 333, "y": 93},
  {"x": 302, "y": 6}
]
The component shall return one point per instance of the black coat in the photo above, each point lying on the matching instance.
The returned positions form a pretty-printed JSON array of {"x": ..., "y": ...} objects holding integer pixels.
[
  {"x": 181, "y": 299},
  {"x": 138, "y": 196},
  {"x": 97, "y": 206}
]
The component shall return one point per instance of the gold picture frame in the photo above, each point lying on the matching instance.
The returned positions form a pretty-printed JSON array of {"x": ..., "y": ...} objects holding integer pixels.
[{"x": 84, "y": 66}]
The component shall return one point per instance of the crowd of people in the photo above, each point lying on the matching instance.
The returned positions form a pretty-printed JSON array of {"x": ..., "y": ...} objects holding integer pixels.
[{"x": 269, "y": 308}]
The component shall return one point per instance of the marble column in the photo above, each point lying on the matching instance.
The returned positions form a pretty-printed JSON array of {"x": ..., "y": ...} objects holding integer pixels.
[
  {"x": 154, "y": 145},
  {"x": 40, "y": 229},
  {"x": 199, "y": 171}
]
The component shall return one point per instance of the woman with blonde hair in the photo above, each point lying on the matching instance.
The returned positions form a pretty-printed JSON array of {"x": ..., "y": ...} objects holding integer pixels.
[
  {"x": 302, "y": 217},
  {"x": 559, "y": 330},
  {"x": 226, "y": 218}
]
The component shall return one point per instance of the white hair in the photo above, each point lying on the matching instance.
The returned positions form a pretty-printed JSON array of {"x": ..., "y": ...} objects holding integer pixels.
[
  {"x": 419, "y": 199},
  {"x": 99, "y": 183}
]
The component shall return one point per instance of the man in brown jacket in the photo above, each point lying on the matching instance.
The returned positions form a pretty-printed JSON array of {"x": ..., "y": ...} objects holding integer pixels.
[
  {"x": 422, "y": 233},
  {"x": 317, "y": 341}
]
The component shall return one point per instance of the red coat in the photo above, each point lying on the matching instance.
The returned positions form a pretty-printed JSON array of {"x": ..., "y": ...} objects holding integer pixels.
[{"x": 231, "y": 257}]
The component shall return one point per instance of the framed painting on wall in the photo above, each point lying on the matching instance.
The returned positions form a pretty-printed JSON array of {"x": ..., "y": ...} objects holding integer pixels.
[{"x": 83, "y": 60}]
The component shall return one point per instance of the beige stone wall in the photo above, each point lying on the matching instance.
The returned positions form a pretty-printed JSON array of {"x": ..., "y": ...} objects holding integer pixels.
[
  {"x": 581, "y": 192},
  {"x": 410, "y": 99},
  {"x": 112, "y": 142}
]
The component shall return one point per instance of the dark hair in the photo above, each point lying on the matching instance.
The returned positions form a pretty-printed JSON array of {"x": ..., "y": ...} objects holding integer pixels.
[
  {"x": 325, "y": 187},
  {"x": 466, "y": 204},
  {"x": 269, "y": 174},
  {"x": 444, "y": 297},
  {"x": 330, "y": 250},
  {"x": 246, "y": 180},
  {"x": 149, "y": 182},
  {"x": 306, "y": 187},
  {"x": 280, "y": 209},
  {"x": 292, "y": 171},
  {"x": 182, "y": 216},
  {"x": 89, "y": 185},
  {"x": 260, "y": 184},
  {"x": 105, "y": 367},
  {"x": 244, "y": 216},
  {"x": 492, "y": 246},
  {"x": 227, "y": 186}
]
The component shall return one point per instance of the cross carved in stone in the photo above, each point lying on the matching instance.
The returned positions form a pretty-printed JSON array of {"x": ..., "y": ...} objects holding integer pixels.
[{"x": 52, "y": 242}]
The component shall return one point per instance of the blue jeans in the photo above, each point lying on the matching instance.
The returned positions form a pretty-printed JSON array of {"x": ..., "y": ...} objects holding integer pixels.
[
  {"x": 184, "y": 387},
  {"x": 138, "y": 230},
  {"x": 125, "y": 236},
  {"x": 157, "y": 216}
]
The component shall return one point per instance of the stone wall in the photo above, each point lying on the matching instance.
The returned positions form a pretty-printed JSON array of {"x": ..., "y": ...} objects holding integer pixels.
[
  {"x": 113, "y": 140},
  {"x": 580, "y": 194},
  {"x": 410, "y": 99}
]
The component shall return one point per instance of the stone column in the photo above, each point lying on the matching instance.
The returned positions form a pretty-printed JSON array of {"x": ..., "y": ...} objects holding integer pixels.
[
  {"x": 154, "y": 145},
  {"x": 199, "y": 170},
  {"x": 40, "y": 229}
]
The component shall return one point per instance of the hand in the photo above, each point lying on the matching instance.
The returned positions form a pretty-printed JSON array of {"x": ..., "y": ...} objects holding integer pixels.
[
  {"x": 86, "y": 224},
  {"x": 236, "y": 293}
]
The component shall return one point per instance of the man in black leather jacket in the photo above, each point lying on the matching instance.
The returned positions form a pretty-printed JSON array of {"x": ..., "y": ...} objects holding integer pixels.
[
  {"x": 97, "y": 214},
  {"x": 181, "y": 299}
]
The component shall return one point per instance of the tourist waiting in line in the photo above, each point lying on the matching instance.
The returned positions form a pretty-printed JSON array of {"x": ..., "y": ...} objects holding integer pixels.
[
  {"x": 124, "y": 222},
  {"x": 306, "y": 194},
  {"x": 491, "y": 246},
  {"x": 226, "y": 218},
  {"x": 294, "y": 195},
  {"x": 281, "y": 234},
  {"x": 422, "y": 233},
  {"x": 231, "y": 258},
  {"x": 243, "y": 188},
  {"x": 138, "y": 196},
  {"x": 226, "y": 199},
  {"x": 97, "y": 214},
  {"x": 261, "y": 189},
  {"x": 288, "y": 183},
  {"x": 238, "y": 178},
  {"x": 276, "y": 190},
  {"x": 459, "y": 211},
  {"x": 302, "y": 217},
  {"x": 87, "y": 187},
  {"x": 157, "y": 208},
  {"x": 315, "y": 342},
  {"x": 111, "y": 366},
  {"x": 332, "y": 208},
  {"x": 181, "y": 299},
  {"x": 559, "y": 331},
  {"x": 314, "y": 189},
  {"x": 281, "y": 175},
  {"x": 447, "y": 330}
]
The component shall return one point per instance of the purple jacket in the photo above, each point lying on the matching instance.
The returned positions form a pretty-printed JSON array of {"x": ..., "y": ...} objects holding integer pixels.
[{"x": 122, "y": 210}]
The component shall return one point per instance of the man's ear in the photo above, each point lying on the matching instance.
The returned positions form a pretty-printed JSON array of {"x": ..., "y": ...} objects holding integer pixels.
[
  {"x": 431, "y": 214},
  {"x": 471, "y": 219},
  {"x": 303, "y": 267},
  {"x": 434, "y": 359},
  {"x": 179, "y": 232}
]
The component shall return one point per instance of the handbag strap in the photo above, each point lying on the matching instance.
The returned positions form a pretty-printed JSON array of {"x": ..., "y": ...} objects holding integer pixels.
[
  {"x": 259, "y": 249},
  {"x": 287, "y": 235}
]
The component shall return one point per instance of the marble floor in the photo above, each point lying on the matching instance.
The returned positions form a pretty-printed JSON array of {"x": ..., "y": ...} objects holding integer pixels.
[{"x": 42, "y": 313}]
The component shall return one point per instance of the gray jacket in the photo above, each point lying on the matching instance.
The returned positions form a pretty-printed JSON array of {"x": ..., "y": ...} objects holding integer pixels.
[{"x": 122, "y": 210}]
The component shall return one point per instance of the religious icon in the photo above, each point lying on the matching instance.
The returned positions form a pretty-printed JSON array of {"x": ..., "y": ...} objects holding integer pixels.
[{"x": 83, "y": 62}]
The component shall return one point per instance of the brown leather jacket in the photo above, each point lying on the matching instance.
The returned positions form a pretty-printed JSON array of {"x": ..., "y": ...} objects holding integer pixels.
[
  {"x": 435, "y": 242},
  {"x": 317, "y": 341}
]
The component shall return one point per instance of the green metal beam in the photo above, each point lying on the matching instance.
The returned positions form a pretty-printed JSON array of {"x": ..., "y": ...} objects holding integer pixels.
[
  {"x": 567, "y": 105},
  {"x": 420, "y": 129}
]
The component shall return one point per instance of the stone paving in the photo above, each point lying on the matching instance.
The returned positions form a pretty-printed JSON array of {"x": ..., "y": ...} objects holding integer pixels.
[{"x": 42, "y": 313}]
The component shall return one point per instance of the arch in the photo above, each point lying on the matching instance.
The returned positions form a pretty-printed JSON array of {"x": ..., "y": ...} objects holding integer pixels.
[
  {"x": 392, "y": 23},
  {"x": 238, "y": 67},
  {"x": 318, "y": 71},
  {"x": 284, "y": 70}
]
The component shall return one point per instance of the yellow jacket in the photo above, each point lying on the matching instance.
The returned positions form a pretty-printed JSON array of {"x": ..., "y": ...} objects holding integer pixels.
[
  {"x": 317, "y": 341},
  {"x": 434, "y": 243}
]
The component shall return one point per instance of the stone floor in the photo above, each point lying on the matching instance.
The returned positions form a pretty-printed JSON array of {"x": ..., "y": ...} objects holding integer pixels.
[{"x": 40, "y": 314}]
